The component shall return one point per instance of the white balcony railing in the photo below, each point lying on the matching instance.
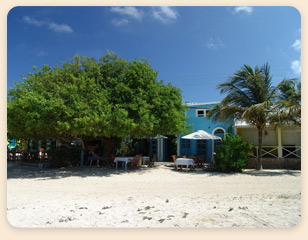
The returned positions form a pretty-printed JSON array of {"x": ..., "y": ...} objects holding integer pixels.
[{"x": 275, "y": 152}]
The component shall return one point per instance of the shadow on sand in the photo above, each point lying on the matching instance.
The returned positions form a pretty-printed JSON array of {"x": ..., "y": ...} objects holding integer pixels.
[
  {"x": 272, "y": 172},
  {"x": 22, "y": 171},
  {"x": 248, "y": 172}
]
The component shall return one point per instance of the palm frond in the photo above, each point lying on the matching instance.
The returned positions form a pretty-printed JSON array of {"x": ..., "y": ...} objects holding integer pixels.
[
  {"x": 251, "y": 97},
  {"x": 225, "y": 113}
]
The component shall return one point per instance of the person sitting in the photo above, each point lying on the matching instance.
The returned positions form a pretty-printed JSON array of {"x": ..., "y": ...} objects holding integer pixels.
[{"x": 92, "y": 158}]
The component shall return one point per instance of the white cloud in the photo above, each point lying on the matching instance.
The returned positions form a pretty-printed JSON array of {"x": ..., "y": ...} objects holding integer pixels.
[
  {"x": 62, "y": 28},
  {"x": 297, "y": 45},
  {"x": 42, "y": 53},
  {"x": 214, "y": 44},
  {"x": 247, "y": 10},
  {"x": 211, "y": 45},
  {"x": 282, "y": 53},
  {"x": 268, "y": 50},
  {"x": 120, "y": 22},
  {"x": 165, "y": 14},
  {"x": 296, "y": 67},
  {"x": 132, "y": 12},
  {"x": 33, "y": 21}
]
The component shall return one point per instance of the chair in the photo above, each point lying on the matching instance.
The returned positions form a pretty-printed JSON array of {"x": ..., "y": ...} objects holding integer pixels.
[
  {"x": 202, "y": 161},
  {"x": 97, "y": 158},
  {"x": 196, "y": 161},
  {"x": 174, "y": 157},
  {"x": 112, "y": 163},
  {"x": 134, "y": 163},
  {"x": 91, "y": 159},
  {"x": 192, "y": 168},
  {"x": 151, "y": 163}
]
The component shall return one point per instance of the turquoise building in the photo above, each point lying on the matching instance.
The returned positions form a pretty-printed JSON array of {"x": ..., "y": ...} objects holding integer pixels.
[
  {"x": 166, "y": 146},
  {"x": 197, "y": 119}
]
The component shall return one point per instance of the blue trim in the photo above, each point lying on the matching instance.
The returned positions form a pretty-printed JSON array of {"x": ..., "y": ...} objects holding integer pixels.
[
  {"x": 153, "y": 147},
  {"x": 81, "y": 158}
]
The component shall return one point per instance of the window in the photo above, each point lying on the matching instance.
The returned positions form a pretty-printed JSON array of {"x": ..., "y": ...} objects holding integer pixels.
[
  {"x": 185, "y": 143},
  {"x": 201, "y": 147},
  {"x": 219, "y": 130},
  {"x": 220, "y": 133},
  {"x": 201, "y": 112}
]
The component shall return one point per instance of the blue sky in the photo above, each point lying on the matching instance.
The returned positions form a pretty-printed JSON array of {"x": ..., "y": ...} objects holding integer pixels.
[{"x": 193, "y": 48}]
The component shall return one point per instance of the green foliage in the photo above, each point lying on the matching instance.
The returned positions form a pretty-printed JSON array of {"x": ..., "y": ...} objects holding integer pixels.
[
  {"x": 88, "y": 99},
  {"x": 126, "y": 148},
  {"x": 289, "y": 101},
  {"x": 251, "y": 97},
  {"x": 233, "y": 153},
  {"x": 290, "y": 93}
]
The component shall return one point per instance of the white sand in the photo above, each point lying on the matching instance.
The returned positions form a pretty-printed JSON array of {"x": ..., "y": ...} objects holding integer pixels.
[{"x": 157, "y": 197}]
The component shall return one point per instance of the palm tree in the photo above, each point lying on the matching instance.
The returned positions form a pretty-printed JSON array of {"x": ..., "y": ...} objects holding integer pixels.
[
  {"x": 290, "y": 102},
  {"x": 252, "y": 98}
]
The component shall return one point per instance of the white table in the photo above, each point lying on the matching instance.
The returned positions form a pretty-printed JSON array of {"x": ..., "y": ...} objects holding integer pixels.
[
  {"x": 184, "y": 161},
  {"x": 123, "y": 159}
]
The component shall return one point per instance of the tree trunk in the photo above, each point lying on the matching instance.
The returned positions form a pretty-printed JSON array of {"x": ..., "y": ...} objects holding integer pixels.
[
  {"x": 259, "y": 167},
  {"x": 82, "y": 153},
  {"x": 108, "y": 150},
  {"x": 81, "y": 157},
  {"x": 14, "y": 154}
]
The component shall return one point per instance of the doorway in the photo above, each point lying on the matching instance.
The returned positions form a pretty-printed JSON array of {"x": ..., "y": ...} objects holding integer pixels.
[{"x": 171, "y": 148}]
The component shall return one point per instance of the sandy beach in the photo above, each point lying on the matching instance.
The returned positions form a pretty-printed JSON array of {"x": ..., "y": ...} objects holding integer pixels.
[{"x": 158, "y": 197}]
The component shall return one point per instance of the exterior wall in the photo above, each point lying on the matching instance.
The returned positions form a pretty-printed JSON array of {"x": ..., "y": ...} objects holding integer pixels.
[
  {"x": 276, "y": 163},
  {"x": 202, "y": 123},
  {"x": 158, "y": 146},
  {"x": 251, "y": 135},
  {"x": 291, "y": 136},
  {"x": 280, "y": 142}
]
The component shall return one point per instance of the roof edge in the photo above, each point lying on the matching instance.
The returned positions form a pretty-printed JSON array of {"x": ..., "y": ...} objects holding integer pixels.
[{"x": 196, "y": 104}]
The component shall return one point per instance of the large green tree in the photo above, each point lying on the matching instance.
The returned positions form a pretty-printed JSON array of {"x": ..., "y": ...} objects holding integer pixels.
[
  {"x": 88, "y": 99},
  {"x": 251, "y": 97}
]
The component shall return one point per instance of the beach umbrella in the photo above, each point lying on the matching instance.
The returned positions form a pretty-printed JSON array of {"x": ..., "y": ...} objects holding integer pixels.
[{"x": 201, "y": 135}]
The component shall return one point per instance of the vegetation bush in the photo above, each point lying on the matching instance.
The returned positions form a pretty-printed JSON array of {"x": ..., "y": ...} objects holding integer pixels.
[
  {"x": 232, "y": 155},
  {"x": 128, "y": 148},
  {"x": 64, "y": 157}
]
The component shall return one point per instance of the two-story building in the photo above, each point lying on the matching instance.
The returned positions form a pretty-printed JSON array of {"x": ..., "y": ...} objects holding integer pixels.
[
  {"x": 198, "y": 120},
  {"x": 166, "y": 146}
]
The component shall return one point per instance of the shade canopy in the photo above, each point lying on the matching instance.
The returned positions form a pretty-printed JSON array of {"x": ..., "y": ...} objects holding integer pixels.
[{"x": 201, "y": 135}]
